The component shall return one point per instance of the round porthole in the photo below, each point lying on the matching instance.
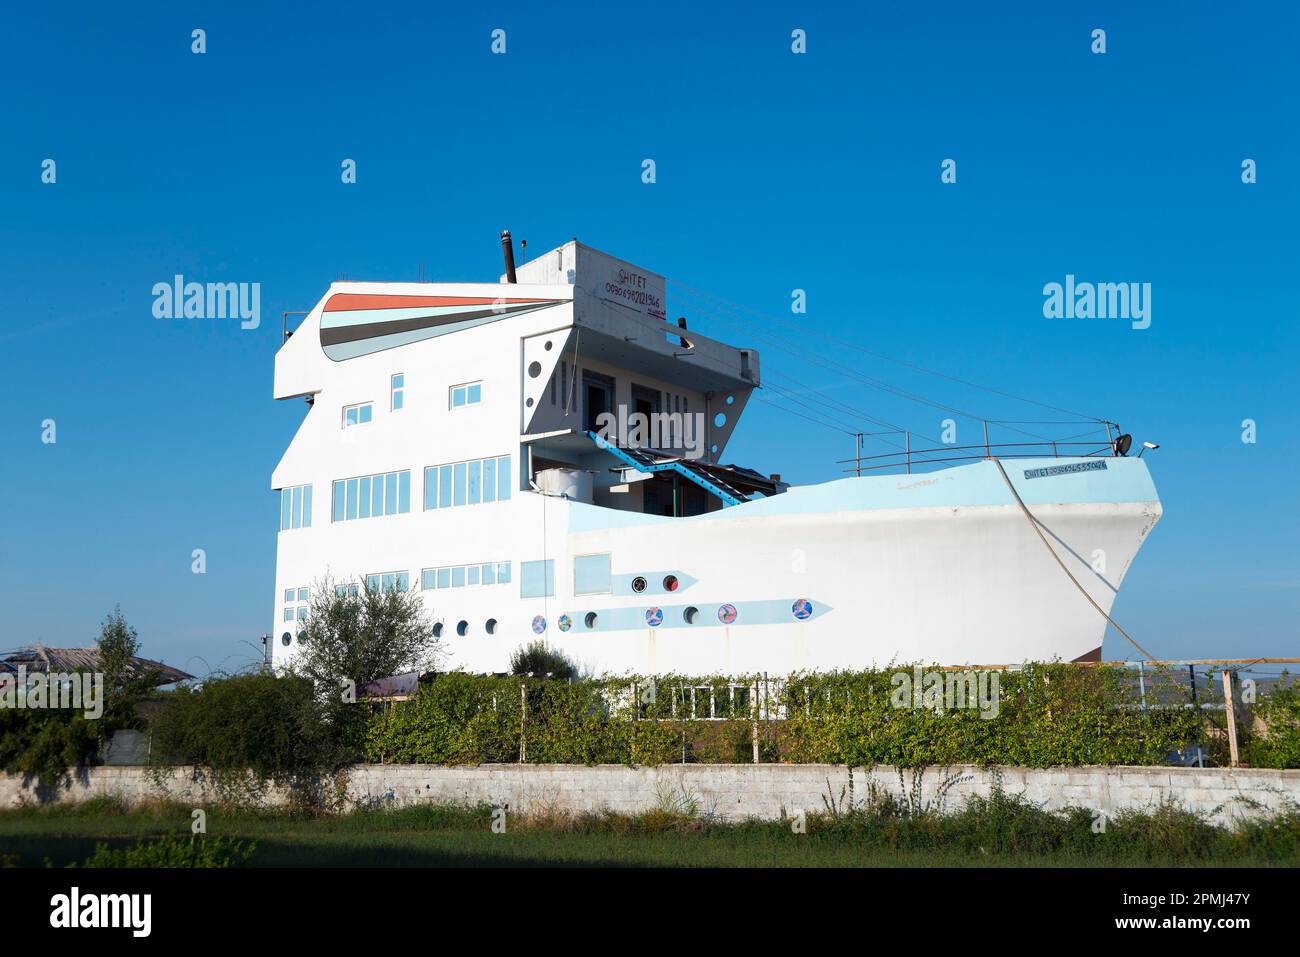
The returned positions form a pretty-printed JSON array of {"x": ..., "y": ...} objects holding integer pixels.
[
  {"x": 639, "y": 584},
  {"x": 462, "y": 628},
  {"x": 670, "y": 583},
  {"x": 691, "y": 615},
  {"x": 548, "y": 345},
  {"x": 591, "y": 620},
  {"x": 491, "y": 626},
  {"x": 713, "y": 449},
  {"x": 437, "y": 629},
  {"x": 731, "y": 399},
  {"x": 534, "y": 370},
  {"x": 285, "y": 639},
  {"x": 720, "y": 420},
  {"x": 529, "y": 403}
]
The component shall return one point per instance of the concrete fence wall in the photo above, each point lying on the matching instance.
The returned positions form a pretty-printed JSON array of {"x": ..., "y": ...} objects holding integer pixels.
[{"x": 732, "y": 791}]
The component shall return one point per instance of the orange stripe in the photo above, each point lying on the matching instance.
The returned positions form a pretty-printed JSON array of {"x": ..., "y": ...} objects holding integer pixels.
[{"x": 346, "y": 301}]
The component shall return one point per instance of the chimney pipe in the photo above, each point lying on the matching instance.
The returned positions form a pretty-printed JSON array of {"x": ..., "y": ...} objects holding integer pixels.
[{"x": 508, "y": 250}]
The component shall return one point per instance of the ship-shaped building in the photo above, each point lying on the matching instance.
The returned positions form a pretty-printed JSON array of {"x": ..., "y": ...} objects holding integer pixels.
[{"x": 545, "y": 457}]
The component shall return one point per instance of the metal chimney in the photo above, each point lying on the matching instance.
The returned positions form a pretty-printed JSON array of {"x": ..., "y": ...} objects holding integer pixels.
[{"x": 508, "y": 250}]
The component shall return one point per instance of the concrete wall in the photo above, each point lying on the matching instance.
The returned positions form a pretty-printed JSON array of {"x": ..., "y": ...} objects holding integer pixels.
[{"x": 726, "y": 790}]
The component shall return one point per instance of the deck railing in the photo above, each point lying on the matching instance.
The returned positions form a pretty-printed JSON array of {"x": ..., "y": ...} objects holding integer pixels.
[{"x": 907, "y": 458}]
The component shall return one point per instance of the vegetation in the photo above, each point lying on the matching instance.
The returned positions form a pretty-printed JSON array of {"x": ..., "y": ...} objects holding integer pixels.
[
  {"x": 884, "y": 829},
  {"x": 1047, "y": 715},
  {"x": 42, "y": 744},
  {"x": 1278, "y": 746},
  {"x": 536, "y": 660},
  {"x": 363, "y": 634}
]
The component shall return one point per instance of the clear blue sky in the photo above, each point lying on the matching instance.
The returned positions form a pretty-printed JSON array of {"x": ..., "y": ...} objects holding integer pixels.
[{"x": 775, "y": 172}]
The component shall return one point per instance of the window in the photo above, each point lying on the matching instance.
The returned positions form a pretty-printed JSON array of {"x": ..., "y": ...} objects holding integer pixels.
[
  {"x": 398, "y": 390},
  {"x": 469, "y": 393},
  {"x": 304, "y": 594},
  {"x": 357, "y": 414},
  {"x": 462, "y": 576},
  {"x": 371, "y": 496},
  {"x": 387, "y": 581},
  {"x": 295, "y": 507},
  {"x": 353, "y": 589},
  {"x": 591, "y": 575},
  {"x": 467, "y": 483},
  {"x": 537, "y": 579}
]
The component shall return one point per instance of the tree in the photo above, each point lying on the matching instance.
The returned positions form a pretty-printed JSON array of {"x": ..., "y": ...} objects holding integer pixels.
[
  {"x": 537, "y": 660},
  {"x": 363, "y": 634}
]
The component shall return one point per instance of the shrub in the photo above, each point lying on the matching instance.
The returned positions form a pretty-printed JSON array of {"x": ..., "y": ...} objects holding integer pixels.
[{"x": 172, "y": 851}]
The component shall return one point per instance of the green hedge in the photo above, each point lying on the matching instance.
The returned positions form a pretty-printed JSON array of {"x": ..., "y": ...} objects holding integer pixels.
[{"x": 1048, "y": 715}]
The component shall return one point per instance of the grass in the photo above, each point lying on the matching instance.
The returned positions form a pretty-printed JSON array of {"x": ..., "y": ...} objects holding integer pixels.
[{"x": 998, "y": 831}]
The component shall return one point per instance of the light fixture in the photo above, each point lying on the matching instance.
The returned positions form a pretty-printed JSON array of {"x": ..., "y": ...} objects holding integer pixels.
[{"x": 1148, "y": 445}]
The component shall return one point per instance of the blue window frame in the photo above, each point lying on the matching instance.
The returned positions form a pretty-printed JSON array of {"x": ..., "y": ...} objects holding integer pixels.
[
  {"x": 537, "y": 579},
  {"x": 467, "y": 393},
  {"x": 369, "y": 496},
  {"x": 295, "y": 507},
  {"x": 357, "y": 414},
  {"x": 591, "y": 575},
  {"x": 397, "y": 388}
]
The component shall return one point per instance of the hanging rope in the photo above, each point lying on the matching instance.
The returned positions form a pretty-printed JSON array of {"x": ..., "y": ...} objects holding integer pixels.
[{"x": 1035, "y": 523}]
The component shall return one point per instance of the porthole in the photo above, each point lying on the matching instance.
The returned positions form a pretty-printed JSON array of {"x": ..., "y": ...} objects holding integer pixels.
[
  {"x": 548, "y": 345},
  {"x": 731, "y": 399},
  {"x": 639, "y": 584},
  {"x": 491, "y": 626},
  {"x": 534, "y": 370},
  {"x": 437, "y": 629},
  {"x": 462, "y": 628},
  {"x": 591, "y": 620},
  {"x": 529, "y": 403},
  {"x": 691, "y": 614},
  {"x": 285, "y": 639},
  {"x": 720, "y": 420},
  {"x": 670, "y": 583}
]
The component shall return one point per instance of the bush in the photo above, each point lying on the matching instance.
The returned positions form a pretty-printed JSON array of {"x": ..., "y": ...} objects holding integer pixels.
[
  {"x": 257, "y": 729},
  {"x": 1279, "y": 745},
  {"x": 172, "y": 851}
]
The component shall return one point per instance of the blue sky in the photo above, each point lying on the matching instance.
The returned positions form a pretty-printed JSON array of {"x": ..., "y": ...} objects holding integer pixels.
[{"x": 775, "y": 171}]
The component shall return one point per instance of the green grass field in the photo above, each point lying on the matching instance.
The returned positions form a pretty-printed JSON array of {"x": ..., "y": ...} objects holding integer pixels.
[{"x": 1002, "y": 832}]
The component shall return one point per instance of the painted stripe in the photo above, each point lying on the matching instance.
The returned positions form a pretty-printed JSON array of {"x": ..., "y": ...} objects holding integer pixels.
[{"x": 343, "y": 301}]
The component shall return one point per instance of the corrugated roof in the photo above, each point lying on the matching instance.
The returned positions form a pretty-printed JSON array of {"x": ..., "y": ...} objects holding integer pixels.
[{"x": 40, "y": 658}]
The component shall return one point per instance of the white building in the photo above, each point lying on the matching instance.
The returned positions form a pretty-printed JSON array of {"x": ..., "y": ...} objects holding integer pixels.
[{"x": 448, "y": 447}]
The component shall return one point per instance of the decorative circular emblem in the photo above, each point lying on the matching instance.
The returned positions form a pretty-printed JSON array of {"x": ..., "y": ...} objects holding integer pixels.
[
  {"x": 802, "y": 608},
  {"x": 670, "y": 583},
  {"x": 565, "y": 622},
  {"x": 638, "y": 584},
  {"x": 539, "y": 624},
  {"x": 654, "y": 617},
  {"x": 727, "y": 614}
]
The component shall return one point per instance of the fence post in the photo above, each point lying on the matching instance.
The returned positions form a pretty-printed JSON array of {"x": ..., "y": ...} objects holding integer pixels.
[
  {"x": 1200, "y": 753},
  {"x": 523, "y": 723},
  {"x": 1142, "y": 686},
  {"x": 1230, "y": 715},
  {"x": 754, "y": 710}
]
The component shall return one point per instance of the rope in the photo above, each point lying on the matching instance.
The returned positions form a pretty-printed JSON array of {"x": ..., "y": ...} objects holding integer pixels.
[{"x": 1035, "y": 523}]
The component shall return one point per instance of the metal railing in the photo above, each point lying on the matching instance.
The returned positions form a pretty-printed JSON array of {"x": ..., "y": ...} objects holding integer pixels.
[{"x": 907, "y": 458}]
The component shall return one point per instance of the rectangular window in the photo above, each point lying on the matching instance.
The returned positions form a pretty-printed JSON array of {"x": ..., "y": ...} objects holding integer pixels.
[
  {"x": 489, "y": 574},
  {"x": 444, "y": 577},
  {"x": 288, "y": 614},
  {"x": 302, "y": 612},
  {"x": 430, "y": 488},
  {"x": 458, "y": 577},
  {"x": 467, "y": 393},
  {"x": 357, "y": 414},
  {"x": 444, "y": 486},
  {"x": 471, "y": 574},
  {"x": 288, "y": 594},
  {"x": 503, "y": 573},
  {"x": 503, "y": 478},
  {"x": 295, "y": 507},
  {"x": 489, "y": 480},
  {"x": 475, "y": 482},
  {"x": 370, "y": 496},
  {"x": 464, "y": 576},
  {"x": 304, "y": 594},
  {"x": 398, "y": 389},
  {"x": 458, "y": 474},
  {"x": 591, "y": 575},
  {"x": 537, "y": 579}
]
